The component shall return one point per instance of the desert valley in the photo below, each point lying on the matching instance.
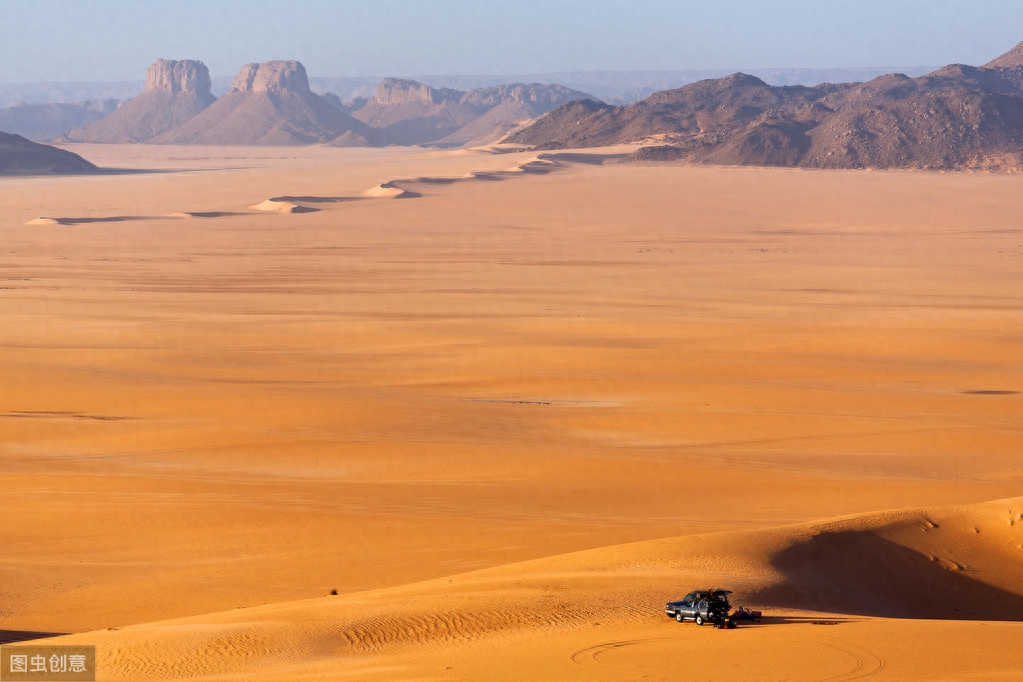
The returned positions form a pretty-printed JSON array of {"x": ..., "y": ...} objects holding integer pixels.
[{"x": 466, "y": 385}]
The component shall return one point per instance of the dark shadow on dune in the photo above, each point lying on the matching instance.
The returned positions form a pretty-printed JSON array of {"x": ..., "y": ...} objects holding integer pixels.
[
  {"x": 212, "y": 214},
  {"x": 408, "y": 194},
  {"x": 12, "y": 636},
  {"x": 767, "y": 621},
  {"x": 990, "y": 391},
  {"x": 318, "y": 200},
  {"x": 60, "y": 414},
  {"x": 106, "y": 219},
  {"x": 861, "y": 573},
  {"x": 431, "y": 181}
]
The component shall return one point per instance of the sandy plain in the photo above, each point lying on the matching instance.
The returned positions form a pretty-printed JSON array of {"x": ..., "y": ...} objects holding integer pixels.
[{"x": 510, "y": 417}]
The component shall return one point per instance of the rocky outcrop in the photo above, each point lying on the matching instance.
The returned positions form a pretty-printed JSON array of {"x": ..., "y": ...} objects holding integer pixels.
[
  {"x": 398, "y": 91},
  {"x": 186, "y": 75},
  {"x": 507, "y": 107},
  {"x": 270, "y": 104},
  {"x": 176, "y": 91},
  {"x": 276, "y": 76},
  {"x": 19, "y": 156},
  {"x": 409, "y": 112},
  {"x": 958, "y": 117}
]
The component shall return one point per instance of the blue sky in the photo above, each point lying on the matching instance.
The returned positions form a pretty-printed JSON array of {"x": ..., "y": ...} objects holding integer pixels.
[{"x": 117, "y": 39}]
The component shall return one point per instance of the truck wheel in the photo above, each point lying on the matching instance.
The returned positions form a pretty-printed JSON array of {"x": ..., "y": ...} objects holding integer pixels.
[
  {"x": 678, "y": 617},
  {"x": 699, "y": 619}
]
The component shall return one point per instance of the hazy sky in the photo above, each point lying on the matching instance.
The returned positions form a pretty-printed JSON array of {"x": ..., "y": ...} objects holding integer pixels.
[{"x": 117, "y": 39}]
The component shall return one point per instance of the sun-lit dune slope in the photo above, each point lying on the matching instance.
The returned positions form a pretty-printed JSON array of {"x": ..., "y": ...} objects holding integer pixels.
[{"x": 946, "y": 565}]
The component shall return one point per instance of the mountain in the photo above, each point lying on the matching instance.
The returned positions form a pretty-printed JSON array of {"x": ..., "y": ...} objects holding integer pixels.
[
  {"x": 271, "y": 104},
  {"x": 507, "y": 107},
  {"x": 1010, "y": 59},
  {"x": 410, "y": 112},
  {"x": 48, "y": 121},
  {"x": 953, "y": 118},
  {"x": 175, "y": 92},
  {"x": 19, "y": 156}
]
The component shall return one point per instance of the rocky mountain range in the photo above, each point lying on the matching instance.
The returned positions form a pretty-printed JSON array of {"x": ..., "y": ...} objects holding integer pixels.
[
  {"x": 954, "y": 118},
  {"x": 272, "y": 104}
]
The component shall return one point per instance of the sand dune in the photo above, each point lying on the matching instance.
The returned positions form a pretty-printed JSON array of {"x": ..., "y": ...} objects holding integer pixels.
[
  {"x": 410, "y": 188},
  {"x": 280, "y": 206},
  {"x": 508, "y": 420},
  {"x": 921, "y": 564}
]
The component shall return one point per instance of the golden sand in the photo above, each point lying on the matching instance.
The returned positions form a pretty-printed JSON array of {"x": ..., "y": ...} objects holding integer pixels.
[{"x": 508, "y": 417}]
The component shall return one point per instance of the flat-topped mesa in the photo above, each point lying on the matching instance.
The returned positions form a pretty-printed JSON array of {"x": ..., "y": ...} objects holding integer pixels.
[
  {"x": 271, "y": 104},
  {"x": 176, "y": 91},
  {"x": 186, "y": 75},
  {"x": 402, "y": 91},
  {"x": 276, "y": 76}
]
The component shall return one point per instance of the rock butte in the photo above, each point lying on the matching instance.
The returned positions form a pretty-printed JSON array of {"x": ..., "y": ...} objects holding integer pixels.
[{"x": 176, "y": 91}]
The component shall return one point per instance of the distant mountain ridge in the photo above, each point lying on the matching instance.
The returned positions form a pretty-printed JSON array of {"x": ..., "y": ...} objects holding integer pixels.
[
  {"x": 48, "y": 121},
  {"x": 410, "y": 112},
  {"x": 272, "y": 104},
  {"x": 618, "y": 87},
  {"x": 956, "y": 117}
]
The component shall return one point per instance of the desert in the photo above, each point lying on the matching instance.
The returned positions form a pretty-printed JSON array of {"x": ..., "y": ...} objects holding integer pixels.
[
  {"x": 332, "y": 349},
  {"x": 508, "y": 416}
]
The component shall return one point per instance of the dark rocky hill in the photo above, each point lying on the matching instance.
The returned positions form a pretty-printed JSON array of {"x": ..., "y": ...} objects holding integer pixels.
[
  {"x": 19, "y": 156},
  {"x": 956, "y": 117},
  {"x": 175, "y": 92}
]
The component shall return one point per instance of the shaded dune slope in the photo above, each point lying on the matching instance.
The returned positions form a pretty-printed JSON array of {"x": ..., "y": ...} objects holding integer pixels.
[{"x": 953, "y": 564}]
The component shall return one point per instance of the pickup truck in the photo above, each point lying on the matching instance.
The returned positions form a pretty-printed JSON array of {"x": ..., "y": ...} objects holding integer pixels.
[{"x": 700, "y": 606}]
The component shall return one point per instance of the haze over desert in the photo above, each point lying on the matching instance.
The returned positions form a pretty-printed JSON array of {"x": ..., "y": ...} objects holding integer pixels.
[{"x": 444, "y": 375}]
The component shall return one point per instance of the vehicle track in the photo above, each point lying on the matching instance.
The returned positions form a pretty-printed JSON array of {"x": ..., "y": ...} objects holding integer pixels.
[{"x": 867, "y": 662}]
